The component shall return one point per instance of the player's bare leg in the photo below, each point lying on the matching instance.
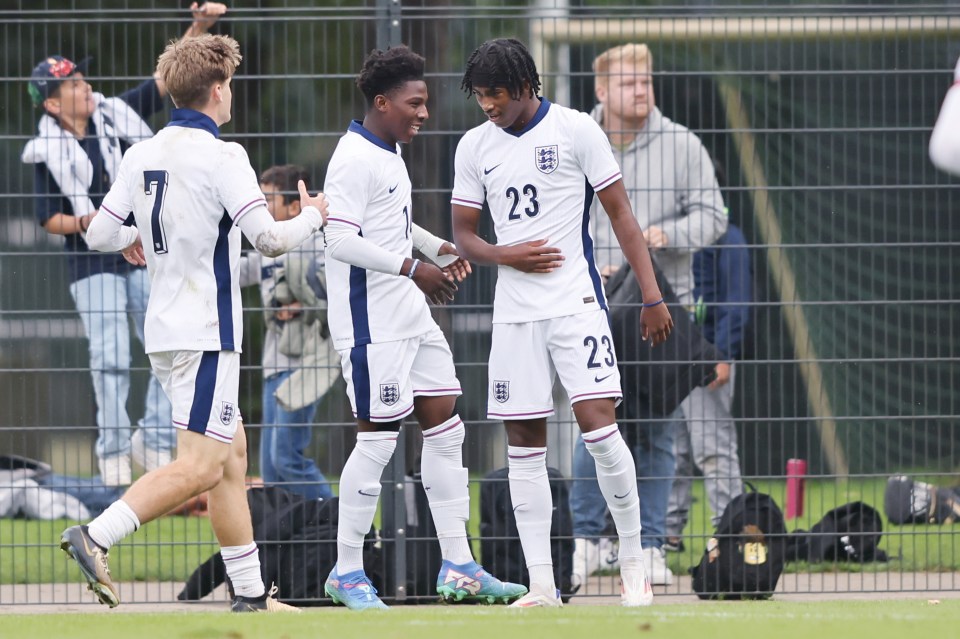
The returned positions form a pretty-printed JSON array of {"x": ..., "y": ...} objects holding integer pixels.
[
  {"x": 617, "y": 476},
  {"x": 446, "y": 482},
  {"x": 230, "y": 519},
  {"x": 532, "y": 507}
]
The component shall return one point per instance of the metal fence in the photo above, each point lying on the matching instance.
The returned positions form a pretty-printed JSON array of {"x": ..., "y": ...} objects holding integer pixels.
[{"x": 818, "y": 116}]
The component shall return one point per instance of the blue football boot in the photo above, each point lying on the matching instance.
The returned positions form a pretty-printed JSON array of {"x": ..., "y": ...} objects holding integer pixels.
[
  {"x": 470, "y": 582},
  {"x": 353, "y": 590}
]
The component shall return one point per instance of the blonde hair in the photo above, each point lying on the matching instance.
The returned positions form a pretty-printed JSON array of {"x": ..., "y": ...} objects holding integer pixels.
[
  {"x": 634, "y": 53},
  {"x": 190, "y": 66}
]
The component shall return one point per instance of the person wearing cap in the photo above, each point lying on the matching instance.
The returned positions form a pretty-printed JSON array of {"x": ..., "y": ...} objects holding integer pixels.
[{"x": 76, "y": 154}]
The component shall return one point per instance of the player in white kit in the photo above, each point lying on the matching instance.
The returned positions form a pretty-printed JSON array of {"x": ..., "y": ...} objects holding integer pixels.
[
  {"x": 188, "y": 193},
  {"x": 538, "y": 165},
  {"x": 395, "y": 358}
]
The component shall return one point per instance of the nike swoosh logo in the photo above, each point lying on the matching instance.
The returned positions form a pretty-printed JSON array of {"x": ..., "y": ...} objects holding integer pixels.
[
  {"x": 600, "y": 379},
  {"x": 90, "y": 551},
  {"x": 616, "y": 496},
  {"x": 394, "y": 187},
  {"x": 518, "y": 506},
  {"x": 491, "y": 170},
  {"x": 368, "y": 494}
]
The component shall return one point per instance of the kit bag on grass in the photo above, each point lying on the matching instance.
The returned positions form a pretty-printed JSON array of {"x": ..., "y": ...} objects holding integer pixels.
[
  {"x": 850, "y": 532},
  {"x": 744, "y": 558}
]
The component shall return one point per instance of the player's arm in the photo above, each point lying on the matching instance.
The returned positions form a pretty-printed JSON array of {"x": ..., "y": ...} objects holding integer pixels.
[
  {"x": 945, "y": 140},
  {"x": 440, "y": 252},
  {"x": 273, "y": 238},
  {"x": 529, "y": 257},
  {"x": 204, "y": 16},
  {"x": 655, "y": 320},
  {"x": 345, "y": 244}
]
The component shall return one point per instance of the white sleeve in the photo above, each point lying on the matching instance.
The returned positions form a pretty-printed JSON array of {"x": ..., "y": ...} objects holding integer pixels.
[
  {"x": 467, "y": 186},
  {"x": 594, "y": 155},
  {"x": 107, "y": 231},
  {"x": 427, "y": 243},
  {"x": 945, "y": 140},
  {"x": 348, "y": 185},
  {"x": 346, "y": 245}
]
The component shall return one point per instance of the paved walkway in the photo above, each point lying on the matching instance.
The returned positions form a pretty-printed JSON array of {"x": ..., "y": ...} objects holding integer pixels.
[{"x": 137, "y": 596}]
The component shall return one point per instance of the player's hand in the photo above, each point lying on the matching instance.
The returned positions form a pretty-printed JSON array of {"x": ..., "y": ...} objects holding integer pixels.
[
  {"x": 458, "y": 269},
  {"x": 134, "y": 253},
  {"x": 532, "y": 257},
  {"x": 655, "y": 324},
  {"x": 318, "y": 201},
  {"x": 723, "y": 376},
  {"x": 205, "y": 15},
  {"x": 435, "y": 284},
  {"x": 656, "y": 238}
]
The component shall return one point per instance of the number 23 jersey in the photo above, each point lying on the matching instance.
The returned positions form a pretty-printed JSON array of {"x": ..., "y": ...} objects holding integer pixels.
[{"x": 539, "y": 184}]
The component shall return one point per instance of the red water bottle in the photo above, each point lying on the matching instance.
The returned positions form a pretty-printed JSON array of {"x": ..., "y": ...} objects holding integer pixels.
[{"x": 796, "y": 475}]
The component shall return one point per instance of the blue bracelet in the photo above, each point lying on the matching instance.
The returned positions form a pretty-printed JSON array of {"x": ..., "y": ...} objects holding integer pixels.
[
  {"x": 651, "y": 304},
  {"x": 413, "y": 269}
]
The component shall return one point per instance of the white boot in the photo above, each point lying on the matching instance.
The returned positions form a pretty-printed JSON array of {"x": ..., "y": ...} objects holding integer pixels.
[
  {"x": 656, "y": 564},
  {"x": 115, "y": 470},
  {"x": 147, "y": 458},
  {"x": 635, "y": 589}
]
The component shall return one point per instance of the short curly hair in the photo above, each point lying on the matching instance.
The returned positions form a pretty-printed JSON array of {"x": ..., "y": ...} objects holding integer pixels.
[
  {"x": 503, "y": 62},
  {"x": 384, "y": 71}
]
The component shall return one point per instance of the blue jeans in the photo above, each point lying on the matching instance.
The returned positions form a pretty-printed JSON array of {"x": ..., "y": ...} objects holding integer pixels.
[
  {"x": 91, "y": 492},
  {"x": 283, "y": 440},
  {"x": 104, "y": 300},
  {"x": 651, "y": 444}
]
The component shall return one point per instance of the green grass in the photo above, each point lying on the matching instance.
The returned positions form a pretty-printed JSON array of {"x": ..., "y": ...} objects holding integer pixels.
[
  {"x": 170, "y": 548},
  {"x": 850, "y": 620}
]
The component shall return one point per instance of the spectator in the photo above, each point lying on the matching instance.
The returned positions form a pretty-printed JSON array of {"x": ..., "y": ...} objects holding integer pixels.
[
  {"x": 76, "y": 155},
  {"x": 708, "y": 436},
  {"x": 674, "y": 194},
  {"x": 192, "y": 195},
  {"x": 294, "y": 333}
]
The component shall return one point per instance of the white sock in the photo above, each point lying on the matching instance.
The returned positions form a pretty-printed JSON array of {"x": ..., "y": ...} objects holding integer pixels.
[
  {"x": 533, "y": 509},
  {"x": 113, "y": 524},
  {"x": 447, "y": 486},
  {"x": 359, "y": 495},
  {"x": 617, "y": 476},
  {"x": 243, "y": 569}
]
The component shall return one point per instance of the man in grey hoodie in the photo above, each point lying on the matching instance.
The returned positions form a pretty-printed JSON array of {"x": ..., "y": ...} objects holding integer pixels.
[{"x": 674, "y": 193}]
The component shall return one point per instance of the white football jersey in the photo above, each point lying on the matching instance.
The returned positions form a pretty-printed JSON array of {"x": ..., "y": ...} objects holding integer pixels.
[
  {"x": 539, "y": 184},
  {"x": 187, "y": 188},
  {"x": 368, "y": 190}
]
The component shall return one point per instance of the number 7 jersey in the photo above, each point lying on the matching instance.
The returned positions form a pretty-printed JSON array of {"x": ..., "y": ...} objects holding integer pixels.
[
  {"x": 187, "y": 189},
  {"x": 539, "y": 184}
]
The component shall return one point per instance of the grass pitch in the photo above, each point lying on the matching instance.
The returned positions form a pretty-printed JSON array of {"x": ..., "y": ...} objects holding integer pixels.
[{"x": 782, "y": 620}]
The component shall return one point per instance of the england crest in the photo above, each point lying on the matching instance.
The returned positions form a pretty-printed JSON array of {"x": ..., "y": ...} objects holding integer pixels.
[
  {"x": 227, "y": 411},
  {"x": 389, "y": 393},
  {"x": 548, "y": 158},
  {"x": 501, "y": 390}
]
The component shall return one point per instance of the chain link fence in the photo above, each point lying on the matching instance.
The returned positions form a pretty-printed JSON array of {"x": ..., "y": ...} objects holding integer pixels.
[{"x": 817, "y": 119}]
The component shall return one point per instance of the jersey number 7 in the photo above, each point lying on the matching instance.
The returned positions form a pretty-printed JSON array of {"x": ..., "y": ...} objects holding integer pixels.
[{"x": 155, "y": 184}]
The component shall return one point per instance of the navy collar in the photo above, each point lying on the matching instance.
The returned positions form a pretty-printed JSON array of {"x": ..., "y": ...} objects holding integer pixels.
[
  {"x": 356, "y": 126},
  {"x": 539, "y": 115},
  {"x": 194, "y": 120}
]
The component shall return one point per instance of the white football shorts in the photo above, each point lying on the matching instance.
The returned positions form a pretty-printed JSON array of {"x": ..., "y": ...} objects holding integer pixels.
[
  {"x": 382, "y": 379},
  {"x": 526, "y": 357},
  {"x": 203, "y": 387}
]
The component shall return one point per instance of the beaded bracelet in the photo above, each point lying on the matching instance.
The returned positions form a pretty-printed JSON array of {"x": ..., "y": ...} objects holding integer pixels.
[
  {"x": 413, "y": 268},
  {"x": 657, "y": 303}
]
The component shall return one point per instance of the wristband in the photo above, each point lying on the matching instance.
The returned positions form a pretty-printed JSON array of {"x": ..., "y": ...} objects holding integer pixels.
[
  {"x": 413, "y": 268},
  {"x": 652, "y": 304}
]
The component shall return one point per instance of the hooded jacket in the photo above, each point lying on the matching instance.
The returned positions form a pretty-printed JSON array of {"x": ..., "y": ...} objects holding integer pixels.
[{"x": 671, "y": 183}]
